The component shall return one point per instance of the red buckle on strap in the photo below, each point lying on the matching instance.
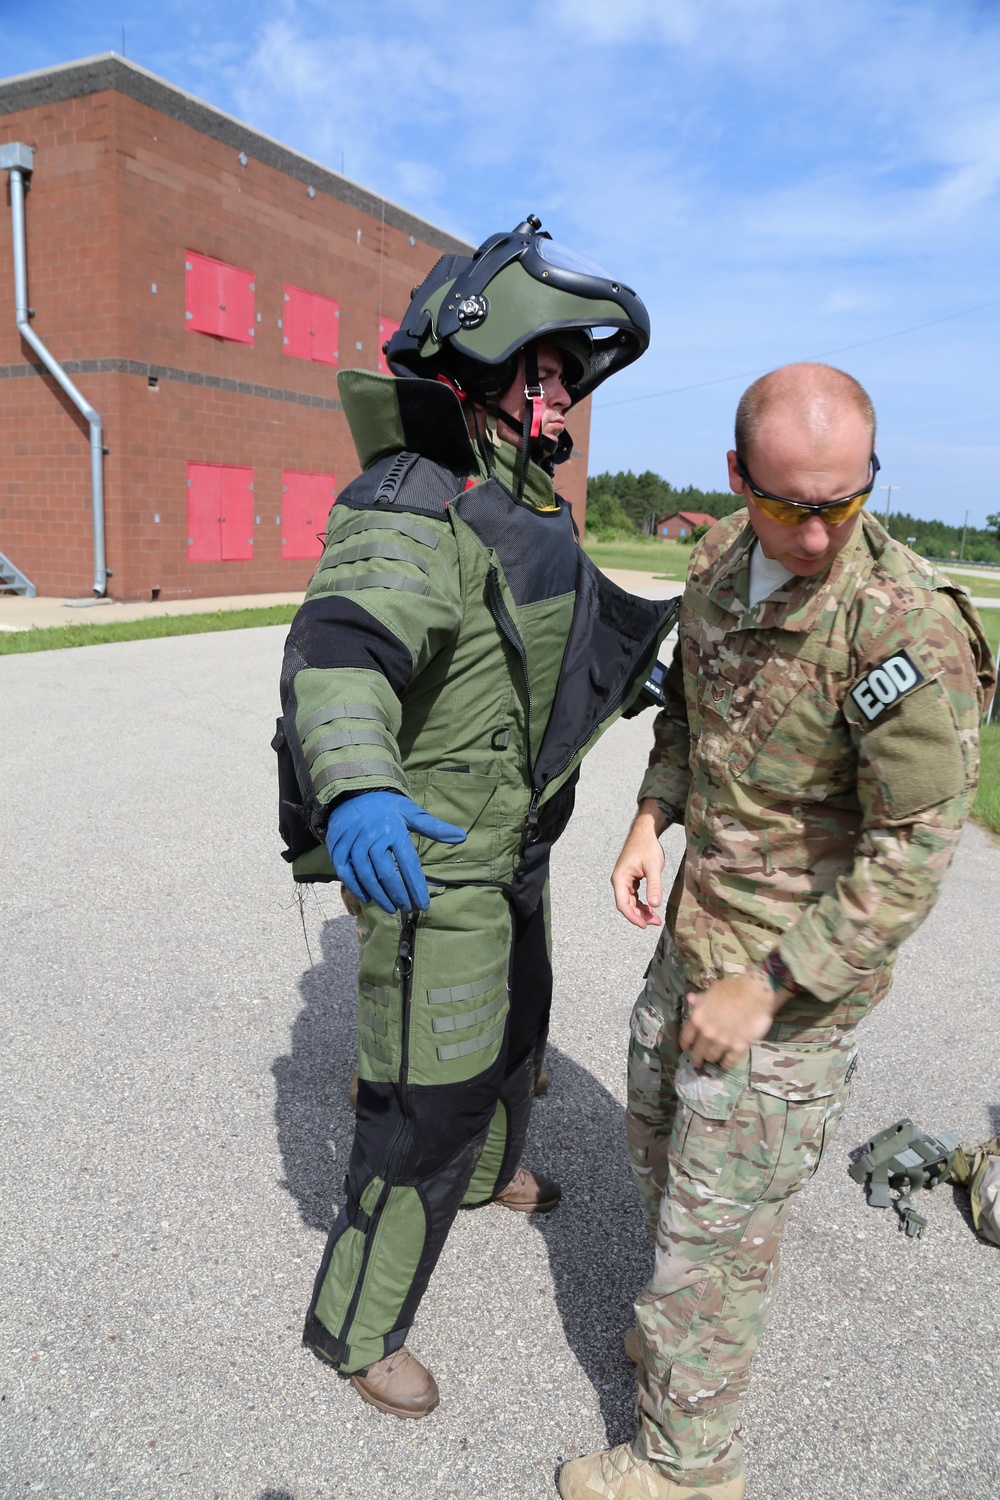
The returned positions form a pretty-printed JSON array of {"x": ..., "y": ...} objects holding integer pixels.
[
  {"x": 462, "y": 395},
  {"x": 534, "y": 394}
]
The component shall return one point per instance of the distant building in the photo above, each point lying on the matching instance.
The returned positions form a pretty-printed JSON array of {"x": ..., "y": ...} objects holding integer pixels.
[
  {"x": 200, "y": 284},
  {"x": 681, "y": 523}
]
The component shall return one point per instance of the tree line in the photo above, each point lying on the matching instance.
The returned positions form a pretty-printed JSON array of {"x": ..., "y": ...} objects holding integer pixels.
[{"x": 625, "y": 505}]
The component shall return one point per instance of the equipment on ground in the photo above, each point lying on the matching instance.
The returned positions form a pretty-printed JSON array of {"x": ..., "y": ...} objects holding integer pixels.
[{"x": 902, "y": 1159}]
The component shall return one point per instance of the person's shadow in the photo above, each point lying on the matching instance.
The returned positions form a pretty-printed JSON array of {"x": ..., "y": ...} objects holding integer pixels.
[
  {"x": 314, "y": 1120},
  {"x": 598, "y": 1244}
]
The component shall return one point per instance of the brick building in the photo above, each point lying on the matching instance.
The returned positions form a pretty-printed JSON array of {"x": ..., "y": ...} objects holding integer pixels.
[
  {"x": 200, "y": 284},
  {"x": 681, "y": 523}
]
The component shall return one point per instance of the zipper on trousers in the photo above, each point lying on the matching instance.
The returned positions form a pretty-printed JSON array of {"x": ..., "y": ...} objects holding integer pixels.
[
  {"x": 404, "y": 965},
  {"x": 401, "y": 1139}
]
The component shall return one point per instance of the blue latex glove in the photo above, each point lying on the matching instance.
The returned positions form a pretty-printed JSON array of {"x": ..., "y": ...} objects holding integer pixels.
[{"x": 368, "y": 838}]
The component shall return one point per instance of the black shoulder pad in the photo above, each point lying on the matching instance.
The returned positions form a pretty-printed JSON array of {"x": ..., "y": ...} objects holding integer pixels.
[{"x": 404, "y": 482}]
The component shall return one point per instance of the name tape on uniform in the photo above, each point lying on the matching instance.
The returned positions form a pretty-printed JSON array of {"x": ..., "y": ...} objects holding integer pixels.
[{"x": 885, "y": 684}]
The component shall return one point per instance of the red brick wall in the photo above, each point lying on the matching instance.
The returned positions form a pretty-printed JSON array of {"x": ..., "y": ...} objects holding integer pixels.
[{"x": 119, "y": 192}]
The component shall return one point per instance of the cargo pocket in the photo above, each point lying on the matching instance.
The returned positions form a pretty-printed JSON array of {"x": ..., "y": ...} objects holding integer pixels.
[
  {"x": 703, "y": 1126},
  {"x": 459, "y": 998},
  {"x": 787, "y": 1116},
  {"x": 460, "y": 796},
  {"x": 644, "y": 1065},
  {"x": 707, "y": 1393}
]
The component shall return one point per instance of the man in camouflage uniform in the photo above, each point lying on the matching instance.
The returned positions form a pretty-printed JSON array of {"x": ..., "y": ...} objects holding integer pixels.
[{"x": 820, "y": 743}]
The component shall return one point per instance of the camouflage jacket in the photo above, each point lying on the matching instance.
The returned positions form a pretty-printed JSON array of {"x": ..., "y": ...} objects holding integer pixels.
[{"x": 824, "y": 748}]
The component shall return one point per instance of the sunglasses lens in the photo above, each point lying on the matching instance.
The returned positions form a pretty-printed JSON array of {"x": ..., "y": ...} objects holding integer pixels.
[
  {"x": 794, "y": 515},
  {"x": 834, "y": 514},
  {"x": 778, "y": 510}
]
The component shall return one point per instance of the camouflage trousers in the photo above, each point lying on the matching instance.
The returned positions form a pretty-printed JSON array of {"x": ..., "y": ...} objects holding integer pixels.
[{"x": 718, "y": 1156}]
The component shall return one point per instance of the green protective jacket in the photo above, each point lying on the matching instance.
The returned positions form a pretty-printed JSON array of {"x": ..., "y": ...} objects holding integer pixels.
[{"x": 455, "y": 644}]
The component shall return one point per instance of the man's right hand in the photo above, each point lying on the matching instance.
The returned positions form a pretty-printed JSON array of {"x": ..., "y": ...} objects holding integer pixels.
[
  {"x": 368, "y": 839},
  {"x": 641, "y": 860}
]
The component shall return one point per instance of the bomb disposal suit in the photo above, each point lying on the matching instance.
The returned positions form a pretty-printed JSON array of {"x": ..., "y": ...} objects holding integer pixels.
[{"x": 455, "y": 646}]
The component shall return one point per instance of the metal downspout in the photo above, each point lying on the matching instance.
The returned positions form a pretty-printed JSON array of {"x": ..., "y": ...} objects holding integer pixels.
[{"x": 18, "y": 160}]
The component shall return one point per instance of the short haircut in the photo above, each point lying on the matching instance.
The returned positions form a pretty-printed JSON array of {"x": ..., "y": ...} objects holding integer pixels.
[{"x": 815, "y": 384}]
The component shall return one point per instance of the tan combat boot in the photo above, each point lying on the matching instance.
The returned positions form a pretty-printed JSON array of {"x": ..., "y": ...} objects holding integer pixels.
[
  {"x": 529, "y": 1193},
  {"x": 616, "y": 1474},
  {"x": 399, "y": 1385}
]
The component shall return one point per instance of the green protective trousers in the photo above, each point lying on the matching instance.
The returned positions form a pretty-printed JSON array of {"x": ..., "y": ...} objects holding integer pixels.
[{"x": 453, "y": 1009}]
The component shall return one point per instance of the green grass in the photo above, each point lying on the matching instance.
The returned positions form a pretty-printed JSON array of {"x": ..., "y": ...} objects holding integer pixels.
[
  {"x": 666, "y": 559},
  {"x": 991, "y": 625},
  {"x": 980, "y": 588},
  {"x": 59, "y": 637},
  {"x": 986, "y": 809}
]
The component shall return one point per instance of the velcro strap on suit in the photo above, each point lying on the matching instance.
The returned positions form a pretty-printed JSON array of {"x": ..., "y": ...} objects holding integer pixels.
[{"x": 342, "y": 711}]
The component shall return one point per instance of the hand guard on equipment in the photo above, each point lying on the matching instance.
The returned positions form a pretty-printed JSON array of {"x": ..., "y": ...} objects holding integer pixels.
[{"x": 368, "y": 838}]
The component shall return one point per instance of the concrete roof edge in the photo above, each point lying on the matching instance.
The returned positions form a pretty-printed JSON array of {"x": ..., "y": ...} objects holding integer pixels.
[{"x": 92, "y": 75}]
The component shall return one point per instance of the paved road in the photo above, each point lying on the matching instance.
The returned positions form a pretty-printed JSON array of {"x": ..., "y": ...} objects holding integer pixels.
[{"x": 174, "y": 1066}]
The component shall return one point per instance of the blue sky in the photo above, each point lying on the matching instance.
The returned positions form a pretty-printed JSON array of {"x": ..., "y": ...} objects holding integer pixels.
[{"x": 779, "y": 179}]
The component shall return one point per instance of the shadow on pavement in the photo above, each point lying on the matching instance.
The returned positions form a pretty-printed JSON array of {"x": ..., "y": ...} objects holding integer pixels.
[
  {"x": 315, "y": 1123},
  {"x": 598, "y": 1245},
  {"x": 597, "y": 1241}
]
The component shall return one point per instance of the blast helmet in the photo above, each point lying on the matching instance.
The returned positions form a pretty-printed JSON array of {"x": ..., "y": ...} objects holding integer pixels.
[{"x": 472, "y": 317}]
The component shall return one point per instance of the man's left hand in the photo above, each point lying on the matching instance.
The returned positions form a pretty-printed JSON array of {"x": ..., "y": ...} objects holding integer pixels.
[{"x": 729, "y": 1017}]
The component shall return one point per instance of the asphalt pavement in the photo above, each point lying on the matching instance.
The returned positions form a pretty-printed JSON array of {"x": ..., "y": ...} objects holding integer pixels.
[{"x": 177, "y": 1044}]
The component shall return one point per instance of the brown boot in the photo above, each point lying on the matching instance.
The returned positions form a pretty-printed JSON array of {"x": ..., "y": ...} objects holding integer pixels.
[
  {"x": 352, "y": 1091},
  {"x": 617, "y": 1474},
  {"x": 529, "y": 1193},
  {"x": 399, "y": 1385},
  {"x": 542, "y": 1081}
]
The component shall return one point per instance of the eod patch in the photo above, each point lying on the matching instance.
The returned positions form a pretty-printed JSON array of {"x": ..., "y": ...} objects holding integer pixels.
[{"x": 884, "y": 684}]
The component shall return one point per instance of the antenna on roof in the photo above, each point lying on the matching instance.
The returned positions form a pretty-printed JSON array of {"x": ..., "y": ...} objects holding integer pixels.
[{"x": 123, "y": 39}]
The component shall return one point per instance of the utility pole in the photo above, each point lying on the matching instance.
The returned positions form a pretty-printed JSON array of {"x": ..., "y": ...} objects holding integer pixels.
[
  {"x": 961, "y": 550},
  {"x": 888, "y": 501}
]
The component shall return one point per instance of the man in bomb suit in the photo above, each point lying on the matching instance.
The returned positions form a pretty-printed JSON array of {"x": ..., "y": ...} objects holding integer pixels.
[{"x": 456, "y": 656}]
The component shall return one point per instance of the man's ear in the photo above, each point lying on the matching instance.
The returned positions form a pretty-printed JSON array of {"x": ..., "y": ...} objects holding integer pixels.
[{"x": 735, "y": 478}]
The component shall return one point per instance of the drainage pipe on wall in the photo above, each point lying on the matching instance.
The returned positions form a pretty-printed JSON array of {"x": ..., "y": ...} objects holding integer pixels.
[{"x": 18, "y": 160}]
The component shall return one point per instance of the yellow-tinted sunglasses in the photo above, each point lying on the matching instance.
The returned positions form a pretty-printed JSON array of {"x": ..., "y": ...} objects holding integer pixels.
[{"x": 793, "y": 512}]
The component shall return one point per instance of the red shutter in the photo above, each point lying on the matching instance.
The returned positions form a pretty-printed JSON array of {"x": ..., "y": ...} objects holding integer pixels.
[
  {"x": 220, "y": 513},
  {"x": 310, "y": 326},
  {"x": 386, "y": 329},
  {"x": 305, "y": 506},
  {"x": 236, "y": 512},
  {"x": 203, "y": 509},
  {"x": 326, "y": 317},
  {"x": 219, "y": 298},
  {"x": 297, "y": 323}
]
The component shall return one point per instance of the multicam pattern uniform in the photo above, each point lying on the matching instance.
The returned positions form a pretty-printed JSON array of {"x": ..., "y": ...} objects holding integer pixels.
[{"x": 811, "y": 829}]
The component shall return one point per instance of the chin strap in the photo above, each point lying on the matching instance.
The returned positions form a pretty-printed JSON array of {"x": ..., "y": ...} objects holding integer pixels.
[
  {"x": 470, "y": 406},
  {"x": 531, "y": 422}
]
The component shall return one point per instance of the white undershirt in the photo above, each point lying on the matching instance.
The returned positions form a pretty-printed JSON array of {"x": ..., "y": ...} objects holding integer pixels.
[{"x": 766, "y": 575}]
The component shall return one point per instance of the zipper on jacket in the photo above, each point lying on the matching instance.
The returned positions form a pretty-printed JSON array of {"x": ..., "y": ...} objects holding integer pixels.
[{"x": 509, "y": 630}]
